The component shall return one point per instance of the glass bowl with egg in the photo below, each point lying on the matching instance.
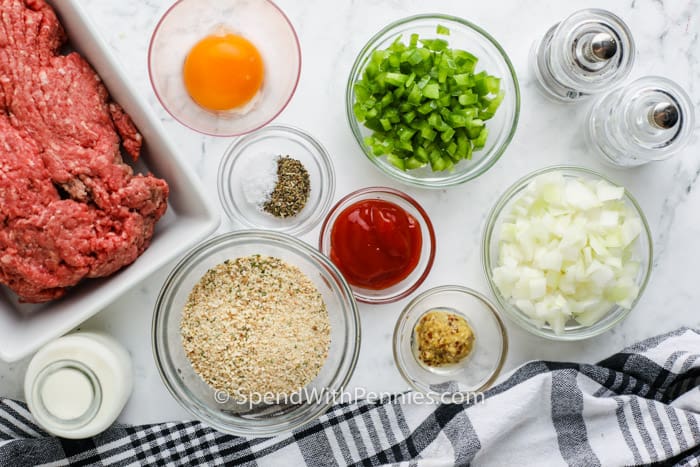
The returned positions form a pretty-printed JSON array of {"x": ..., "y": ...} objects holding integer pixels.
[
  {"x": 253, "y": 330},
  {"x": 277, "y": 178},
  {"x": 382, "y": 241},
  {"x": 224, "y": 67},
  {"x": 567, "y": 253},
  {"x": 450, "y": 343}
]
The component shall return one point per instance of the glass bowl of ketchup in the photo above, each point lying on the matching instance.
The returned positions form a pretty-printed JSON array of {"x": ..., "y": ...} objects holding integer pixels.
[{"x": 382, "y": 241}]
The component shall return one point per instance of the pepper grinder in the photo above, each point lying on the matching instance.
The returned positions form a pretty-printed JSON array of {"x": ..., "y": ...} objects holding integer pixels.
[
  {"x": 584, "y": 54},
  {"x": 648, "y": 120}
]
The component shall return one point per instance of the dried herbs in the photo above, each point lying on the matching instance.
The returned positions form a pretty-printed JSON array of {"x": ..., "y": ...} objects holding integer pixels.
[{"x": 291, "y": 191}]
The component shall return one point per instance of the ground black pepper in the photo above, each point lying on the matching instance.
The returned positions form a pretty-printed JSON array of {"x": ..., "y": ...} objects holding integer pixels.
[{"x": 291, "y": 191}]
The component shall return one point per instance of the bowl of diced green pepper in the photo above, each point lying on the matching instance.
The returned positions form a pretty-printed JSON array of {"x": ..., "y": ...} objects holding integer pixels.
[{"x": 433, "y": 100}]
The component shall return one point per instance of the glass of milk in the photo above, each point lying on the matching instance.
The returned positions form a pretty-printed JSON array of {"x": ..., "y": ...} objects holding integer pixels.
[{"x": 77, "y": 385}]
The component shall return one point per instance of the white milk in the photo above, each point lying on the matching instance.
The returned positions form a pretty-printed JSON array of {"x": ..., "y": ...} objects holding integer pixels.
[{"x": 77, "y": 385}]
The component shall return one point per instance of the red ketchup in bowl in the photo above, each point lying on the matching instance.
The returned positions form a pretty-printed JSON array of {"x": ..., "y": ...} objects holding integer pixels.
[{"x": 375, "y": 243}]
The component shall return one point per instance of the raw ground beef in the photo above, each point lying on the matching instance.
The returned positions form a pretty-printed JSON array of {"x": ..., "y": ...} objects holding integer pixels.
[{"x": 70, "y": 208}]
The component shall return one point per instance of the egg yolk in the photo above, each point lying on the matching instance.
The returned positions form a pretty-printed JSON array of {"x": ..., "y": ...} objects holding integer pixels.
[{"x": 223, "y": 72}]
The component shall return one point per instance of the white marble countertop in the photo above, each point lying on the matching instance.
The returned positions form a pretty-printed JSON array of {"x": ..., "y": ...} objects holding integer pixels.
[{"x": 331, "y": 34}]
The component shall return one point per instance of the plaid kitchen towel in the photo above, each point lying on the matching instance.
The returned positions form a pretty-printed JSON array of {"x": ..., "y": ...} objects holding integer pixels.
[{"x": 640, "y": 406}]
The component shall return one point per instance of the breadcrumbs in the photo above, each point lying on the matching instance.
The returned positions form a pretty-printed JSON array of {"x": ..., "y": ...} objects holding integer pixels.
[{"x": 255, "y": 325}]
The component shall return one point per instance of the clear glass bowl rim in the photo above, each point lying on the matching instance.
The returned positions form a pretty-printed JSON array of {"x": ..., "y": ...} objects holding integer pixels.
[
  {"x": 437, "y": 290},
  {"x": 159, "y": 319},
  {"x": 284, "y": 105},
  {"x": 326, "y": 190},
  {"x": 448, "y": 181},
  {"x": 343, "y": 203},
  {"x": 510, "y": 311}
]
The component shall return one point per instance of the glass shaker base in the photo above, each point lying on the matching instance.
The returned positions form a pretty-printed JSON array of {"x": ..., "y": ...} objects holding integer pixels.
[{"x": 544, "y": 80}]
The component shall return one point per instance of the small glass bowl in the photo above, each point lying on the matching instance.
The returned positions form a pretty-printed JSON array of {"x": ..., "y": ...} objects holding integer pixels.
[
  {"x": 427, "y": 254},
  {"x": 261, "y": 22},
  {"x": 492, "y": 58},
  {"x": 217, "y": 409},
  {"x": 479, "y": 369},
  {"x": 252, "y": 152},
  {"x": 572, "y": 331}
]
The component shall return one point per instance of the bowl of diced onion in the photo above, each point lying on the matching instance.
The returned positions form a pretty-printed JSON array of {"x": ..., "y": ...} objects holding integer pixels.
[
  {"x": 433, "y": 100},
  {"x": 567, "y": 253}
]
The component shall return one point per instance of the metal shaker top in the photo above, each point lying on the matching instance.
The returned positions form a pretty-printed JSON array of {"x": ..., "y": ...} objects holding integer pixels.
[{"x": 658, "y": 114}]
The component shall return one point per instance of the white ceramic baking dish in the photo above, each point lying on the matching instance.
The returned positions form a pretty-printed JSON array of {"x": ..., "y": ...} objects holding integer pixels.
[{"x": 190, "y": 218}]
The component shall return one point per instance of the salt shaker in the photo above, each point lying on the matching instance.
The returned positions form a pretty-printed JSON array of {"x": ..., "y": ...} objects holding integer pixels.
[
  {"x": 584, "y": 54},
  {"x": 647, "y": 120},
  {"x": 77, "y": 385}
]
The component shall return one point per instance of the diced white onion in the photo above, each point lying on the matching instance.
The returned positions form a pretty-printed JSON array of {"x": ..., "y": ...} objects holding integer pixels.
[{"x": 568, "y": 251}]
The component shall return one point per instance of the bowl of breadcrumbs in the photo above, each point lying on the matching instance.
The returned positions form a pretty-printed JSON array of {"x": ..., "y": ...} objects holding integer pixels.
[{"x": 254, "y": 331}]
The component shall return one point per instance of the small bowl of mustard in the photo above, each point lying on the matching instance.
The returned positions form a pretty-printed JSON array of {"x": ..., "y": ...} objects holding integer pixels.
[{"x": 450, "y": 343}]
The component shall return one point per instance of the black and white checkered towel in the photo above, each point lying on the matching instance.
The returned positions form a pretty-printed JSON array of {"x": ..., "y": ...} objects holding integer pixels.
[{"x": 639, "y": 406}]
